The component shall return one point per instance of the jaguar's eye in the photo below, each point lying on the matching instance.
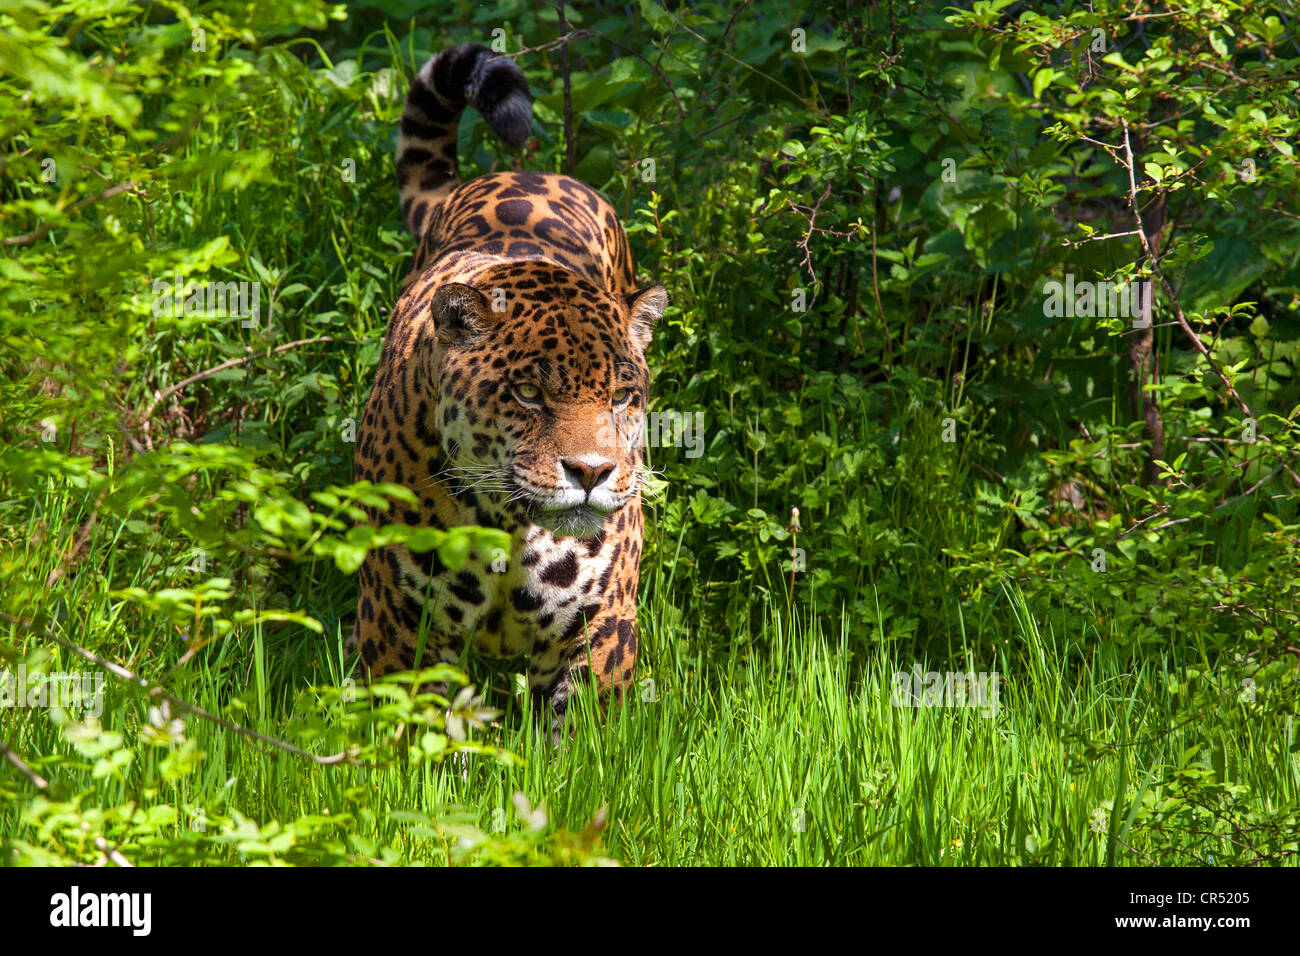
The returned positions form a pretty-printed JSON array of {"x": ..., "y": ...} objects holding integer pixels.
[
  {"x": 621, "y": 395},
  {"x": 527, "y": 393}
]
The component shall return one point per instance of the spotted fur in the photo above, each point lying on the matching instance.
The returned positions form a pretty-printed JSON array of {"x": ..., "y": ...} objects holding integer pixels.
[{"x": 508, "y": 395}]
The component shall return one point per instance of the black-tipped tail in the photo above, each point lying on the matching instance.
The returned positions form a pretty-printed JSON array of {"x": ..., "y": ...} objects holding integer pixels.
[{"x": 465, "y": 75}]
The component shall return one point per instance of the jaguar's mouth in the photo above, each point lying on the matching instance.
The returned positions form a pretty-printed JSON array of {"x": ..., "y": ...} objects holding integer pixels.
[{"x": 575, "y": 521}]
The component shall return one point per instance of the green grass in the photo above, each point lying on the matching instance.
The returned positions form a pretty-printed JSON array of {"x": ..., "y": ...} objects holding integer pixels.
[
  {"x": 784, "y": 748},
  {"x": 1146, "y": 715}
]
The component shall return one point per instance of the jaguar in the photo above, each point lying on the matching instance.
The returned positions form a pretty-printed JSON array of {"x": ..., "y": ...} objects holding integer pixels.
[{"x": 509, "y": 393}]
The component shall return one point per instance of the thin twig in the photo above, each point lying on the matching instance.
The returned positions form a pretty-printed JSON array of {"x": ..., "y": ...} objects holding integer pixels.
[
  {"x": 597, "y": 35},
  {"x": 568, "y": 96},
  {"x": 36, "y": 780},
  {"x": 44, "y": 228},
  {"x": 794, "y": 550},
  {"x": 230, "y": 363},
  {"x": 111, "y": 852},
  {"x": 875, "y": 282},
  {"x": 1164, "y": 282},
  {"x": 1164, "y": 509},
  {"x": 820, "y": 112},
  {"x": 1136, "y": 850},
  {"x": 158, "y": 693},
  {"x": 811, "y": 215},
  {"x": 1111, "y": 235},
  {"x": 1231, "y": 501},
  {"x": 552, "y": 44}
]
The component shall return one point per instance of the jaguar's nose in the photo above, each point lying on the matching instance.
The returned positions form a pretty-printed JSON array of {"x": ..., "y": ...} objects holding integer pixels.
[{"x": 588, "y": 472}]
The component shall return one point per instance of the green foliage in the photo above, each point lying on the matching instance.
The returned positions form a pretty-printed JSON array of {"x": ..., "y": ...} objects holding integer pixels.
[{"x": 858, "y": 213}]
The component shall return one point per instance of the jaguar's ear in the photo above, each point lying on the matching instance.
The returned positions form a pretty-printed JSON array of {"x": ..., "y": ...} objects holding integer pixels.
[
  {"x": 460, "y": 313},
  {"x": 645, "y": 307}
]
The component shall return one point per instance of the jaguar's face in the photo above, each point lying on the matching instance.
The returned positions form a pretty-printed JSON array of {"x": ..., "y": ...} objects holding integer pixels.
[{"x": 541, "y": 403}]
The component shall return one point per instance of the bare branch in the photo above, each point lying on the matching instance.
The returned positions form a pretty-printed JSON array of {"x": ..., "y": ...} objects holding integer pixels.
[
  {"x": 1169, "y": 289},
  {"x": 36, "y": 780},
  {"x": 112, "y": 852},
  {"x": 568, "y": 95},
  {"x": 157, "y": 693},
  {"x": 44, "y": 228},
  {"x": 230, "y": 363}
]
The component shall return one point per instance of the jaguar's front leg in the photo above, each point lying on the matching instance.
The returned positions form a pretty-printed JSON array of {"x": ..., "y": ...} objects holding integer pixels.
[
  {"x": 603, "y": 646},
  {"x": 394, "y": 632}
]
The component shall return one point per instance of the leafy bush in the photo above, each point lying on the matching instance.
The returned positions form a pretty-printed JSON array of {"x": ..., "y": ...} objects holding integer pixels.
[{"x": 860, "y": 214}]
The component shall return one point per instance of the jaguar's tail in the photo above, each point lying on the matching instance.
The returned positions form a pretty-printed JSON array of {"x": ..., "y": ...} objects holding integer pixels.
[{"x": 426, "y": 144}]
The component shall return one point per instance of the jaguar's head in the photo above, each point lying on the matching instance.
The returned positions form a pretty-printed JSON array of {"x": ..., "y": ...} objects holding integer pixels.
[{"x": 542, "y": 387}]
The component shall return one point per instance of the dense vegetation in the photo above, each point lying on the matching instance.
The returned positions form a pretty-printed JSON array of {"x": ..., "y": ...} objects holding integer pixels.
[{"x": 883, "y": 227}]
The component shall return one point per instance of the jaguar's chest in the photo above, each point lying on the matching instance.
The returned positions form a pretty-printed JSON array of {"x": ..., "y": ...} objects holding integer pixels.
[{"x": 534, "y": 601}]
